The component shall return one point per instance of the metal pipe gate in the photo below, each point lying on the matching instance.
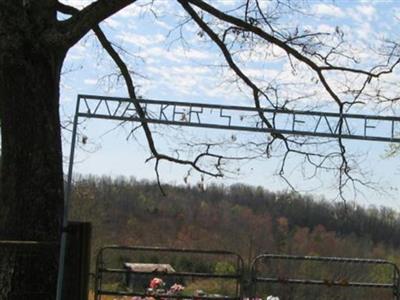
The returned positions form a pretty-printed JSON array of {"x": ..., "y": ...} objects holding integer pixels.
[
  {"x": 200, "y": 265},
  {"x": 285, "y": 276},
  {"x": 313, "y": 277}
]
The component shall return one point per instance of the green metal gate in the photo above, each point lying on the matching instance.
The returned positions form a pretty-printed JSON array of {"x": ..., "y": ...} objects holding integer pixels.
[
  {"x": 220, "y": 272},
  {"x": 127, "y": 271},
  {"x": 309, "y": 277}
]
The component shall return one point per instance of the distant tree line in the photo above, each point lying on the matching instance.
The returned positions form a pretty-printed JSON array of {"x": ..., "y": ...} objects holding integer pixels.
[{"x": 248, "y": 220}]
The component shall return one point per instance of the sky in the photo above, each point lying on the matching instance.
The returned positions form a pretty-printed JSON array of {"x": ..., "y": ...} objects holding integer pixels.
[{"x": 172, "y": 59}]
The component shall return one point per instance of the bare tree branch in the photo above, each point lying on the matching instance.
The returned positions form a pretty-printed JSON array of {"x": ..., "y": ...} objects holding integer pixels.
[
  {"x": 286, "y": 47},
  {"x": 228, "y": 57},
  {"x": 300, "y": 47},
  {"x": 304, "y": 55},
  {"x": 82, "y": 21},
  {"x": 195, "y": 163}
]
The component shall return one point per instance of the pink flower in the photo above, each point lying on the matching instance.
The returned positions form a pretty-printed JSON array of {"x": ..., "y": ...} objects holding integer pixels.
[
  {"x": 156, "y": 283},
  {"x": 176, "y": 288}
]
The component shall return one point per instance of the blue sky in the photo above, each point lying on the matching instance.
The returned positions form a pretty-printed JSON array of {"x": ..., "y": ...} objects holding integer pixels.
[{"x": 174, "y": 64}]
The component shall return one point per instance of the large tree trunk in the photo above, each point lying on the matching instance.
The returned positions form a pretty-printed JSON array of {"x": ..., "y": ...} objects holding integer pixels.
[{"x": 32, "y": 179}]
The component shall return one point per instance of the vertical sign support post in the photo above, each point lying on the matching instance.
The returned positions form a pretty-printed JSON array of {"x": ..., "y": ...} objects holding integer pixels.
[{"x": 67, "y": 193}]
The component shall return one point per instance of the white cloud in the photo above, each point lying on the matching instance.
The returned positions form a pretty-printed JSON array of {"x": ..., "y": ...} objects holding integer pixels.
[
  {"x": 178, "y": 71},
  {"x": 191, "y": 53},
  {"x": 176, "y": 54},
  {"x": 331, "y": 10},
  {"x": 111, "y": 22},
  {"x": 397, "y": 13},
  {"x": 181, "y": 80},
  {"x": 262, "y": 53},
  {"x": 163, "y": 24},
  {"x": 77, "y": 52},
  {"x": 362, "y": 13},
  {"x": 90, "y": 81},
  {"x": 367, "y": 11},
  {"x": 325, "y": 28},
  {"x": 227, "y": 3},
  {"x": 141, "y": 40},
  {"x": 131, "y": 11},
  {"x": 364, "y": 31},
  {"x": 261, "y": 73}
]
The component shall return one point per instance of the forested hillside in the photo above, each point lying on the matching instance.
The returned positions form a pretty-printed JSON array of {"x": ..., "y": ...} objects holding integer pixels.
[{"x": 240, "y": 218}]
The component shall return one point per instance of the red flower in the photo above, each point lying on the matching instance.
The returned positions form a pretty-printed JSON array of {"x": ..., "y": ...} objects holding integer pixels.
[{"x": 156, "y": 283}]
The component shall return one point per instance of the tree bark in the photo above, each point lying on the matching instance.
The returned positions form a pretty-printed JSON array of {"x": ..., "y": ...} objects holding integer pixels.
[
  {"x": 31, "y": 200},
  {"x": 33, "y": 45}
]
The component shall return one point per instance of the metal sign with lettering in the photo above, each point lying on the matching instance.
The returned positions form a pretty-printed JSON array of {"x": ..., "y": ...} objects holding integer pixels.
[{"x": 293, "y": 122}]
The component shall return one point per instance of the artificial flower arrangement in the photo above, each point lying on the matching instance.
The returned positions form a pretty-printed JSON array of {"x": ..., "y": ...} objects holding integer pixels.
[{"x": 157, "y": 288}]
